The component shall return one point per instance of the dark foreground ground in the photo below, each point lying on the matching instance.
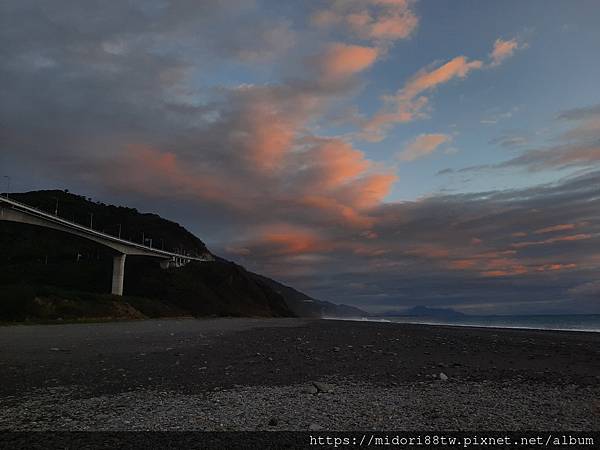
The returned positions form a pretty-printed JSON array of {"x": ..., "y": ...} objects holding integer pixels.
[{"x": 292, "y": 374}]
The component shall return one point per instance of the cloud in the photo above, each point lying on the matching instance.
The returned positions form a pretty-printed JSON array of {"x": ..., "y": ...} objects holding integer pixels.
[
  {"x": 499, "y": 116},
  {"x": 409, "y": 103},
  {"x": 588, "y": 112},
  {"x": 570, "y": 238},
  {"x": 376, "y": 20},
  {"x": 342, "y": 60},
  {"x": 575, "y": 148},
  {"x": 452, "y": 250},
  {"x": 553, "y": 228},
  {"x": 147, "y": 128},
  {"x": 510, "y": 141},
  {"x": 557, "y": 157},
  {"x": 130, "y": 113},
  {"x": 284, "y": 239},
  {"x": 423, "y": 145},
  {"x": 424, "y": 80},
  {"x": 555, "y": 267},
  {"x": 503, "y": 49}
]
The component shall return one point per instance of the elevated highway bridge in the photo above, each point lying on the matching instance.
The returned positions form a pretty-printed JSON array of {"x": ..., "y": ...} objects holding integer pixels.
[{"x": 14, "y": 211}]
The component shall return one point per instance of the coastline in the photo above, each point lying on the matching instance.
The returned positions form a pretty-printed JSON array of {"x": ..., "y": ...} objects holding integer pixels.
[
  {"x": 264, "y": 374},
  {"x": 414, "y": 320},
  {"x": 446, "y": 324}
]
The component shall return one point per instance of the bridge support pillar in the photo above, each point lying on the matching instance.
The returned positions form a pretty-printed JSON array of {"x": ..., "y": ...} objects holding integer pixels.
[{"x": 118, "y": 274}]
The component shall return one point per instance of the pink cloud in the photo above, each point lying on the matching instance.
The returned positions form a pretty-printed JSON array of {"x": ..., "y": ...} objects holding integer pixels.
[
  {"x": 503, "y": 50},
  {"x": 341, "y": 60},
  {"x": 335, "y": 162},
  {"x": 408, "y": 103},
  {"x": 556, "y": 266},
  {"x": 377, "y": 20},
  {"x": 424, "y": 80},
  {"x": 553, "y": 228},
  {"x": 509, "y": 272},
  {"x": 286, "y": 239}
]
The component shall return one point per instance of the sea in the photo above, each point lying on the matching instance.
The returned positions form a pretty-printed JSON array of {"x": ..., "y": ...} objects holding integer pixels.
[{"x": 566, "y": 322}]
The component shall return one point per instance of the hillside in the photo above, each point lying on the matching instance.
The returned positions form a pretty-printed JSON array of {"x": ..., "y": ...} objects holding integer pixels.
[
  {"x": 304, "y": 306},
  {"x": 47, "y": 274}
]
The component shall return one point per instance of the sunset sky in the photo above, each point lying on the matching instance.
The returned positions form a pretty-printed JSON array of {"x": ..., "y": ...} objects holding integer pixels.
[{"x": 379, "y": 153}]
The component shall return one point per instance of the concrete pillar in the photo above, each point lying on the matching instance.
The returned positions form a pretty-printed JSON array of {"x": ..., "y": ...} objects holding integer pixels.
[{"x": 118, "y": 274}]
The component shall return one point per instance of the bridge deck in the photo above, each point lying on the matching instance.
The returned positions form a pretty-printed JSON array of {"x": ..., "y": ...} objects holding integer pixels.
[{"x": 81, "y": 229}]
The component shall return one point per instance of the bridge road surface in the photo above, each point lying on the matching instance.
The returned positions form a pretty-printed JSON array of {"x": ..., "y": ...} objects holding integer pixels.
[{"x": 11, "y": 210}]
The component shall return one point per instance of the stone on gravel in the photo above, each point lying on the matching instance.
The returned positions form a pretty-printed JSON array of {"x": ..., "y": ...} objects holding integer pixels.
[
  {"x": 443, "y": 376},
  {"x": 309, "y": 389},
  {"x": 315, "y": 427},
  {"x": 323, "y": 387}
]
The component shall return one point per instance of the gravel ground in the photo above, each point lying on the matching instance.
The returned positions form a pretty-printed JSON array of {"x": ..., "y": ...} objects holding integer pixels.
[
  {"x": 252, "y": 374},
  {"x": 339, "y": 405}
]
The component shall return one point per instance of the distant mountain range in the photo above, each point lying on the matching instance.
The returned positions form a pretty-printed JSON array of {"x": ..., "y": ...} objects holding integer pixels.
[
  {"x": 47, "y": 274},
  {"x": 424, "y": 311}
]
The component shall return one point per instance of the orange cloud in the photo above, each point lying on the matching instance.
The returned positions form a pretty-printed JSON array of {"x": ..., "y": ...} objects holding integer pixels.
[
  {"x": 378, "y": 20},
  {"x": 561, "y": 227},
  {"x": 291, "y": 240},
  {"x": 341, "y": 60},
  {"x": 458, "y": 67},
  {"x": 423, "y": 145},
  {"x": 334, "y": 162},
  {"x": 370, "y": 190},
  {"x": 267, "y": 133},
  {"x": 338, "y": 180},
  {"x": 503, "y": 50},
  {"x": 407, "y": 104},
  {"x": 462, "y": 264},
  {"x": 517, "y": 270},
  {"x": 397, "y": 25},
  {"x": 553, "y": 267}
]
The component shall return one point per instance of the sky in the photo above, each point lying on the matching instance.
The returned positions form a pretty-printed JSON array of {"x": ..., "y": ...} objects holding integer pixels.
[{"x": 378, "y": 153}]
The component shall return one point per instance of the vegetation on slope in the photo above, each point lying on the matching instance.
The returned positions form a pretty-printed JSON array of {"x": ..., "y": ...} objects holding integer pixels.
[{"x": 46, "y": 273}]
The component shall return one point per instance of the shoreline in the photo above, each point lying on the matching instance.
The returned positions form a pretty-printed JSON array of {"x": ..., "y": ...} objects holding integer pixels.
[
  {"x": 100, "y": 320},
  {"x": 436, "y": 324}
]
